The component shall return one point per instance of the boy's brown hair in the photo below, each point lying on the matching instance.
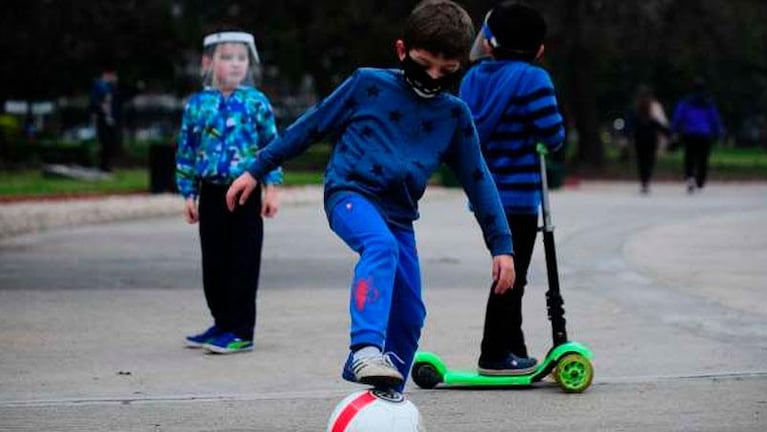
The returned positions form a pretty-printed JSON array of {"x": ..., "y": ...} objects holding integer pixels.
[{"x": 440, "y": 27}]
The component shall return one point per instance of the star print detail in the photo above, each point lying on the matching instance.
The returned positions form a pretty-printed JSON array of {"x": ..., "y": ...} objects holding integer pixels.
[
  {"x": 395, "y": 116},
  {"x": 373, "y": 91},
  {"x": 314, "y": 134},
  {"x": 468, "y": 130},
  {"x": 350, "y": 104},
  {"x": 377, "y": 169},
  {"x": 477, "y": 175},
  {"x": 427, "y": 126}
]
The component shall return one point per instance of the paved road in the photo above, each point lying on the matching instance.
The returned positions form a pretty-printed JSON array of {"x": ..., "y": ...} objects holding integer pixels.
[{"x": 668, "y": 290}]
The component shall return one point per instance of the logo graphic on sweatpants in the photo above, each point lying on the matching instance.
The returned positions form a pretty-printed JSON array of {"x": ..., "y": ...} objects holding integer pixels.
[{"x": 364, "y": 293}]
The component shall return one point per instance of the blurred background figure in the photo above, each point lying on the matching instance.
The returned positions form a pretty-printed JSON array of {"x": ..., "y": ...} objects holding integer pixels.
[
  {"x": 658, "y": 113},
  {"x": 697, "y": 123},
  {"x": 105, "y": 109},
  {"x": 648, "y": 126}
]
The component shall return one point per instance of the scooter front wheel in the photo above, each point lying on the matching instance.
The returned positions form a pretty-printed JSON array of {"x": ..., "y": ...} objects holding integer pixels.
[
  {"x": 425, "y": 375},
  {"x": 574, "y": 373}
]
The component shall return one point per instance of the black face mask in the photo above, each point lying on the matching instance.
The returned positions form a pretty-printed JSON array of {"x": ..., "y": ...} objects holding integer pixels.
[{"x": 420, "y": 80}]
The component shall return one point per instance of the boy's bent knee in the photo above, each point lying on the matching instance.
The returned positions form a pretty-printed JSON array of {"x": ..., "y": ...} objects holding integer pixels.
[{"x": 384, "y": 245}]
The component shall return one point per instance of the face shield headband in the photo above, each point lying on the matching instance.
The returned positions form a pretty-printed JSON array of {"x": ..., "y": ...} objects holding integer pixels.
[
  {"x": 212, "y": 43},
  {"x": 478, "y": 49},
  {"x": 485, "y": 36},
  {"x": 241, "y": 37}
]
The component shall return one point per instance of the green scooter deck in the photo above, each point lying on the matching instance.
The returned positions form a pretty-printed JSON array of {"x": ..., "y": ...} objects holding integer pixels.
[{"x": 570, "y": 362}]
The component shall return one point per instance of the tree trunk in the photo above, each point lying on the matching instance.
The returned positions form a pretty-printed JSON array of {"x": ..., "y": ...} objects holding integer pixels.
[{"x": 582, "y": 94}]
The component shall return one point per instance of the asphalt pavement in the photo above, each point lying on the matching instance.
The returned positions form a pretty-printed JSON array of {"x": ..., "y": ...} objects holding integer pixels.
[{"x": 668, "y": 290}]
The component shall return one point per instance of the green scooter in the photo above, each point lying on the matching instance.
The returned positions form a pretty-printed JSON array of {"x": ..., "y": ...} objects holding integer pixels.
[{"x": 568, "y": 362}]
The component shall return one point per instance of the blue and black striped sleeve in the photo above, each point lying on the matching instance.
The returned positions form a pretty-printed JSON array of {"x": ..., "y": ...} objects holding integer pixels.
[{"x": 542, "y": 111}]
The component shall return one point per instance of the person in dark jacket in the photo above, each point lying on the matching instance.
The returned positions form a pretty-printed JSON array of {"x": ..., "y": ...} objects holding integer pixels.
[
  {"x": 105, "y": 109},
  {"x": 696, "y": 120},
  {"x": 645, "y": 130}
]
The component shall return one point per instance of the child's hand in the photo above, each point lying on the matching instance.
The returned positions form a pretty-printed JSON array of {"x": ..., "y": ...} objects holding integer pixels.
[
  {"x": 190, "y": 211},
  {"x": 241, "y": 188},
  {"x": 271, "y": 202},
  {"x": 503, "y": 273}
]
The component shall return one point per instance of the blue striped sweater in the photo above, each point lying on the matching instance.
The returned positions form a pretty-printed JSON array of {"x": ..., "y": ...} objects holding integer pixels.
[{"x": 514, "y": 108}]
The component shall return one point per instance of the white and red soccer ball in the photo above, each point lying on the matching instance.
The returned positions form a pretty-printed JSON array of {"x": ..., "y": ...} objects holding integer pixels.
[{"x": 375, "y": 411}]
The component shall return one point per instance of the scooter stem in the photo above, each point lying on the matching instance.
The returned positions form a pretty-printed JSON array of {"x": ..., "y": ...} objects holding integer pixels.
[{"x": 554, "y": 301}]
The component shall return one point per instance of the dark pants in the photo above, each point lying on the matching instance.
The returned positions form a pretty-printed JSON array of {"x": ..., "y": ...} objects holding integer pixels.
[
  {"x": 108, "y": 144},
  {"x": 645, "y": 152},
  {"x": 697, "y": 150},
  {"x": 503, "y": 316},
  {"x": 231, "y": 258}
]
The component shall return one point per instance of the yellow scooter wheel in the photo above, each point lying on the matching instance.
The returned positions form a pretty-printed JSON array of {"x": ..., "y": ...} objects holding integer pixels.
[{"x": 574, "y": 373}]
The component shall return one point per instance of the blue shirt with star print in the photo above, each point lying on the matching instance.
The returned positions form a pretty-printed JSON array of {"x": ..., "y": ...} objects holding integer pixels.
[
  {"x": 220, "y": 136},
  {"x": 388, "y": 142}
]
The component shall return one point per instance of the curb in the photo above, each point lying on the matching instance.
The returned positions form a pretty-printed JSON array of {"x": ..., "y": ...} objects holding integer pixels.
[{"x": 36, "y": 216}]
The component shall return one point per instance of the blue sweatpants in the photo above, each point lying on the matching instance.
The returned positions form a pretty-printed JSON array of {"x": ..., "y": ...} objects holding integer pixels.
[{"x": 386, "y": 307}]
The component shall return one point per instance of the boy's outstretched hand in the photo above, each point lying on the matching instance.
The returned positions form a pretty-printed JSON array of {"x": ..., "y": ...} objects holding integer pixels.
[
  {"x": 503, "y": 273},
  {"x": 240, "y": 190}
]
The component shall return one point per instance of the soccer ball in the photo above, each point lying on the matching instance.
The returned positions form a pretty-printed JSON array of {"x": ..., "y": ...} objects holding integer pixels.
[{"x": 375, "y": 411}]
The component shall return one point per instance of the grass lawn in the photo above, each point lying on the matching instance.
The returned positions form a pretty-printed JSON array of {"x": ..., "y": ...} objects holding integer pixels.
[
  {"x": 32, "y": 183},
  {"x": 726, "y": 164}
]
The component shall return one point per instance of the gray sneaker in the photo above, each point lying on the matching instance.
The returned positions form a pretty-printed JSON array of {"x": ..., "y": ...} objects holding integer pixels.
[{"x": 378, "y": 371}]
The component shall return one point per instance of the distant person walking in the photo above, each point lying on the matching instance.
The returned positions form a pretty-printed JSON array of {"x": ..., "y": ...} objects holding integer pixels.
[
  {"x": 105, "y": 108},
  {"x": 697, "y": 122},
  {"x": 647, "y": 125}
]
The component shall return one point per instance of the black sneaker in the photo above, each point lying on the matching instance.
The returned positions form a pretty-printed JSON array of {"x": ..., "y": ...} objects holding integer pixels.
[{"x": 511, "y": 365}]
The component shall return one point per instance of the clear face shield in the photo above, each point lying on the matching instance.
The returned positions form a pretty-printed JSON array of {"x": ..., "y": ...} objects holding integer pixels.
[
  {"x": 229, "y": 60},
  {"x": 483, "y": 43}
]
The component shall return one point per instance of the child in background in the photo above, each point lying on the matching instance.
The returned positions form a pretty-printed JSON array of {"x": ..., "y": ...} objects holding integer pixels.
[
  {"x": 223, "y": 127},
  {"x": 514, "y": 107}
]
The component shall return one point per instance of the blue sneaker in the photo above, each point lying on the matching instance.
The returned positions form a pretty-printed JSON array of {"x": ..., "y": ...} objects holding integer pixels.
[
  {"x": 347, "y": 373},
  {"x": 228, "y": 343},
  {"x": 198, "y": 340},
  {"x": 511, "y": 365},
  {"x": 377, "y": 371}
]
